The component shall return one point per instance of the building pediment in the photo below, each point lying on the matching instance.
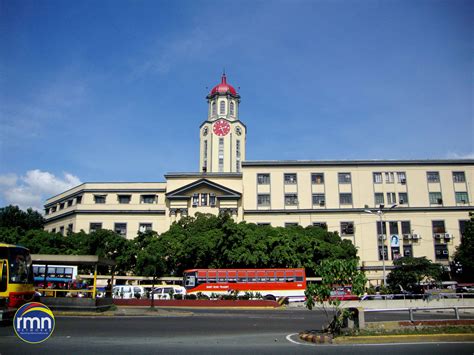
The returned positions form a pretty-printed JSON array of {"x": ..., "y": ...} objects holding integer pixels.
[{"x": 185, "y": 192}]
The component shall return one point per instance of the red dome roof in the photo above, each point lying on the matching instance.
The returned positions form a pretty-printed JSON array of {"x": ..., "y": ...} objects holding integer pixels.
[{"x": 223, "y": 88}]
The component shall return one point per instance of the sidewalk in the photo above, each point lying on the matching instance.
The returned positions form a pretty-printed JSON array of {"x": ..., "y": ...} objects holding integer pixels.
[{"x": 126, "y": 312}]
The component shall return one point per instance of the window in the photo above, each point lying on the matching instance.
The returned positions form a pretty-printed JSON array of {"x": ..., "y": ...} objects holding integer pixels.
[
  {"x": 212, "y": 199},
  {"x": 432, "y": 176},
  {"x": 148, "y": 198},
  {"x": 214, "y": 109},
  {"x": 222, "y": 107},
  {"x": 395, "y": 253},
  {"x": 124, "y": 198},
  {"x": 393, "y": 227},
  {"x": 291, "y": 199},
  {"x": 61, "y": 230},
  {"x": 263, "y": 224},
  {"x": 345, "y": 199},
  {"x": 53, "y": 230},
  {"x": 344, "y": 178},
  {"x": 291, "y": 224},
  {"x": 379, "y": 229},
  {"x": 231, "y": 108},
  {"x": 402, "y": 178},
  {"x": 436, "y": 198},
  {"x": 461, "y": 197},
  {"x": 290, "y": 178},
  {"x": 263, "y": 200},
  {"x": 389, "y": 177},
  {"x": 318, "y": 200},
  {"x": 78, "y": 200},
  {"x": 53, "y": 209},
  {"x": 70, "y": 227},
  {"x": 93, "y": 227},
  {"x": 377, "y": 178},
  {"x": 203, "y": 199},
  {"x": 406, "y": 227},
  {"x": 462, "y": 227},
  {"x": 221, "y": 155},
  {"x": 403, "y": 198},
  {"x": 408, "y": 250},
  {"x": 61, "y": 206},
  {"x": 317, "y": 178},
  {"x": 121, "y": 229},
  {"x": 347, "y": 228},
  {"x": 438, "y": 227},
  {"x": 459, "y": 176},
  {"x": 441, "y": 252},
  {"x": 378, "y": 196},
  {"x": 69, "y": 203},
  {"x": 385, "y": 253},
  {"x": 237, "y": 155},
  {"x": 46, "y": 211},
  {"x": 195, "y": 200},
  {"x": 263, "y": 179},
  {"x": 99, "y": 198},
  {"x": 145, "y": 227},
  {"x": 322, "y": 225},
  {"x": 391, "y": 198}
]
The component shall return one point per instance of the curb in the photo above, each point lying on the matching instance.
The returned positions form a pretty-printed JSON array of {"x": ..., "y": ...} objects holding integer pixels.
[
  {"x": 317, "y": 339},
  {"x": 409, "y": 338}
]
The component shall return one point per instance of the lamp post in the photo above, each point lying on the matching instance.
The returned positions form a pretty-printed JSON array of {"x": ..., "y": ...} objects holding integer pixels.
[{"x": 379, "y": 212}]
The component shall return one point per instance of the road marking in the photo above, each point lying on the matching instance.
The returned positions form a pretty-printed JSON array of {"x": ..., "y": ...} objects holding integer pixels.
[{"x": 288, "y": 337}]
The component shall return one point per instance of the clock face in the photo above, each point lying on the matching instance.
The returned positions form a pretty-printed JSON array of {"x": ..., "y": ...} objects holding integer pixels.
[{"x": 221, "y": 128}]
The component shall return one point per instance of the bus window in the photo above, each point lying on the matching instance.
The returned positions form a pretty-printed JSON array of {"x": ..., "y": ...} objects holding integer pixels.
[
  {"x": 242, "y": 276},
  {"x": 280, "y": 276},
  {"x": 3, "y": 280},
  {"x": 190, "y": 281},
  {"x": 251, "y": 276}
]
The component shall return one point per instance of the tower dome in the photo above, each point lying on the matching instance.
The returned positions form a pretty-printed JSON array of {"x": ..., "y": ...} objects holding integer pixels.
[{"x": 223, "y": 88}]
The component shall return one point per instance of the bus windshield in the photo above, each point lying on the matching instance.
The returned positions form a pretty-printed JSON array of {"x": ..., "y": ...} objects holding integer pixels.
[{"x": 20, "y": 267}]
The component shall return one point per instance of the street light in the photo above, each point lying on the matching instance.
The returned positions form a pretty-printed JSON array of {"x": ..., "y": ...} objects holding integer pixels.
[{"x": 379, "y": 212}]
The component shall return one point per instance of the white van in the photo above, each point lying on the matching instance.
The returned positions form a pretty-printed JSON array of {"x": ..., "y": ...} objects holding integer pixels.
[
  {"x": 128, "y": 292},
  {"x": 163, "y": 292}
]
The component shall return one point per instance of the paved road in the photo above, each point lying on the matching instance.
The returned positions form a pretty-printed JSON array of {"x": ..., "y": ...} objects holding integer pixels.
[{"x": 204, "y": 332}]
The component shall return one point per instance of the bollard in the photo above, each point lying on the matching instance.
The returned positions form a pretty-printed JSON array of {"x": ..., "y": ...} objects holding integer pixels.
[
  {"x": 410, "y": 311},
  {"x": 456, "y": 312}
]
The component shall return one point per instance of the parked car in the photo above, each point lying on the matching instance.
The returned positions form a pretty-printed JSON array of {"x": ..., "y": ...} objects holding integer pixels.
[
  {"x": 164, "y": 292},
  {"x": 128, "y": 292}
]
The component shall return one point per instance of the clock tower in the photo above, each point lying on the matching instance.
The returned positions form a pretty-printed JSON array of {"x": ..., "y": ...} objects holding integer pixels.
[{"x": 222, "y": 136}]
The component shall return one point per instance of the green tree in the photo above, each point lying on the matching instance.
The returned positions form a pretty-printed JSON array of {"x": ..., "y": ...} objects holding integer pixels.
[
  {"x": 464, "y": 255},
  {"x": 409, "y": 272},
  {"x": 13, "y": 216},
  {"x": 334, "y": 273}
]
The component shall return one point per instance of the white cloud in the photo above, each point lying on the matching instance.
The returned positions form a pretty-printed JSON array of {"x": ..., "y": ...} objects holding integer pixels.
[
  {"x": 461, "y": 156},
  {"x": 34, "y": 187}
]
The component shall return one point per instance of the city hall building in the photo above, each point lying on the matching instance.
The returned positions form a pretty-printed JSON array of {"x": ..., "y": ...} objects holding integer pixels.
[{"x": 392, "y": 207}]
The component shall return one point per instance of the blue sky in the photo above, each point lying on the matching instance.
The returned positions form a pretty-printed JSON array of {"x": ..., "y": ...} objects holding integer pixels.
[{"x": 115, "y": 90}]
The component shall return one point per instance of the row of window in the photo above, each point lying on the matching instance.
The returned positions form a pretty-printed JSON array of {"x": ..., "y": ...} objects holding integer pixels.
[
  {"x": 222, "y": 108},
  {"x": 121, "y": 228},
  {"x": 63, "y": 205},
  {"x": 126, "y": 199},
  {"x": 319, "y": 199},
  {"x": 204, "y": 199},
  {"x": 389, "y": 177}
]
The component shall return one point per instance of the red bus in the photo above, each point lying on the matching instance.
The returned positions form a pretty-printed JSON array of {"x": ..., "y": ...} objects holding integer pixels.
[{"x": 270, "y": 283}]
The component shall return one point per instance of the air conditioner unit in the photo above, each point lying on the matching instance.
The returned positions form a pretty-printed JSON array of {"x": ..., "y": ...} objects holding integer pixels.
[
  {"x": 447, "y": 236},
  {"x": 445, "y": 252},
  {"x": 321, "y": 203},
  {"x": 406, "y": 237},
  {"x": 403, "y": 181},
  {"x": 382, "y": 237},
  {"x": 402, "y": 202},
  {"x": 440, "y": 201},
  {"x": 437, "y": 236},
  {"x": 415, "y": 236}
]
